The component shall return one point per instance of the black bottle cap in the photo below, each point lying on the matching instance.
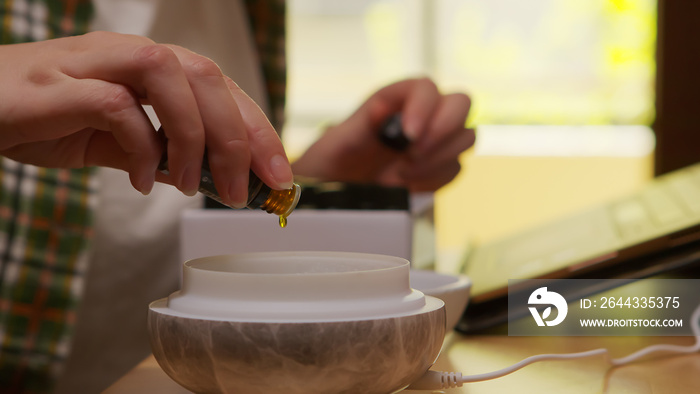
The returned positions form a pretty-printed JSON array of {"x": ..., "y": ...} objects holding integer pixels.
[{"x": 392, "y": 134}]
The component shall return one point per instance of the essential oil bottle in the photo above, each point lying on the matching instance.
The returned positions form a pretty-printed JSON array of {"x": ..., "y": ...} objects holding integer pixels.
[{"x": 260, "y": 196}]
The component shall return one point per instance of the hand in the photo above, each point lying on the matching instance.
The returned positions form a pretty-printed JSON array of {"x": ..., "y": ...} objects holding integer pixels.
[
  {"x": 77, "y": 101},
  {"x": 435, "y": 124}
]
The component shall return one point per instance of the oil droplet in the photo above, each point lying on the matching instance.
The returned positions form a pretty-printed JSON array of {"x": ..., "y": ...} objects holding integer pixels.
[{"x": 283, "y": 221}]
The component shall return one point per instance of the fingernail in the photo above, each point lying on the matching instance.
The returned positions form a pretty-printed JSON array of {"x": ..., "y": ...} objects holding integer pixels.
[
  {"x": 410, "y": 130},
  {"x": 281, "y": 171},
  {"x": 190, "y": 180},
  {"x": 143, "y": 182},
  {"x": 147, "y": 189}
]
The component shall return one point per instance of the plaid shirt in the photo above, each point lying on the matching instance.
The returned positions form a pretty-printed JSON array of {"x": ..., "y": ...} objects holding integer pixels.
[
  {"x": 267, "y": 19},
  {"x": 46, "y": 214}
]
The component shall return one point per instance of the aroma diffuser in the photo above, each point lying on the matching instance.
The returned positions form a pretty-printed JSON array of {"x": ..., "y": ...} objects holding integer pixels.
[{"x": 296, "y": 322}]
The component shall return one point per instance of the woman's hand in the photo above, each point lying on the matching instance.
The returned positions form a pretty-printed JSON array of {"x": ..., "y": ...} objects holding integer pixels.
[
  {"x": 77, "y": 101},
  {"x": 435, "y": 124}
]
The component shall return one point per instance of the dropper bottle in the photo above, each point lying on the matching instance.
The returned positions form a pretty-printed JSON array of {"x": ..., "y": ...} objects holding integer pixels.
[{"x": 260, "y": 196}]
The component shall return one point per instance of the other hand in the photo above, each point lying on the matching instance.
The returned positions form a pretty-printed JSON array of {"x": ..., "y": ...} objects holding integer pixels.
[{"x": 434, "y": 122}]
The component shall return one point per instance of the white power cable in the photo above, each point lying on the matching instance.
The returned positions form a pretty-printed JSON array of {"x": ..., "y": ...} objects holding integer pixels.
[{"x": 435, "y": 380}]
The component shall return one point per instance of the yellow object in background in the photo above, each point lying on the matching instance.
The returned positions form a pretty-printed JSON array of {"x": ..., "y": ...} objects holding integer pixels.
[{"x": 502, "y": 190}]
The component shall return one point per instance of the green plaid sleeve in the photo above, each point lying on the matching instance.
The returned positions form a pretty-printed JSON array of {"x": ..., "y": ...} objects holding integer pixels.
[
  {"x": 46, "y": 214},
  {"x": 268, "y": 21},
  {"x": 45, "y": 225}
]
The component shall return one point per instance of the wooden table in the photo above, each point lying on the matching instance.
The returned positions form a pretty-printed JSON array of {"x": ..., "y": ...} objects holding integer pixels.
[{"x": 480, "y": 354}]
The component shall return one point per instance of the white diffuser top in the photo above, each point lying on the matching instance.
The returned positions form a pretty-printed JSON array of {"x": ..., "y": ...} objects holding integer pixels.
[{"x": 296, "y": 287}]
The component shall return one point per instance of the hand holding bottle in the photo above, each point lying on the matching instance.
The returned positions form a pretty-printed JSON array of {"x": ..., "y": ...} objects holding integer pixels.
[
  {"x": 434, "y": 124},
  {"x": 77, "y": 101}
]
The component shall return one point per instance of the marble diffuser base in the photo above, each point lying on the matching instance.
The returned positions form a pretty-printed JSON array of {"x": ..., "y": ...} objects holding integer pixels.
[{"x": 301, "y": 322}]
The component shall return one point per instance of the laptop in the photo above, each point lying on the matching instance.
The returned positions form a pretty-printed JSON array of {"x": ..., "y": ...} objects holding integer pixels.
[{"x": 654, "y": 231}]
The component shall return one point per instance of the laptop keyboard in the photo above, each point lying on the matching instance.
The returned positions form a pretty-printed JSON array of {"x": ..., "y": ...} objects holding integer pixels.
[
  {"x": 688, "y": 189},
  {"x": 664, "y": 208},
  {"x": 631, "y": 219},
  {"x": 671, "y": 202},
  {"x": 666, "y": 205}
]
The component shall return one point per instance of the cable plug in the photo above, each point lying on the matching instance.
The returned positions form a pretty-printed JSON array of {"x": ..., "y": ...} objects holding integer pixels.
[{"x": 436, "y": 380}]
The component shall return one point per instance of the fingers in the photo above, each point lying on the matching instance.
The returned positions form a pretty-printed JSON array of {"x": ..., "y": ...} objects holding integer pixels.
[
  {"x": 439, "y": 166},
  {"x": 416, "y": 99},
  {"x": 197, "y": 106},
  {"x": 420, "y": 104},
  {"x": 153, "y": 72},
  {"x": 238, "y": 134},
  {"x": 226, "y": 134},
  {"x": 435, "y": 124},
  {"x": 431, "y": 170},
  {"x": 435, "y": 157},
  {"x": 449, "y": 117},
  {"x": 269, "y": 160},
  {"x": 131, "y": 144}
]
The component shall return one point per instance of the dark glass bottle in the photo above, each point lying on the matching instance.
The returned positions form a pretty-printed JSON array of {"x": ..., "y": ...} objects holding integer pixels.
[{"x": 260, "y": 196}]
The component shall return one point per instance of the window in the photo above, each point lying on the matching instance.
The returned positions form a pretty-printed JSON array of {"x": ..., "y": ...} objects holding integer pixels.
[
  {"x": 564, "y": 62},
  {"x": 546, "y": 67}
]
